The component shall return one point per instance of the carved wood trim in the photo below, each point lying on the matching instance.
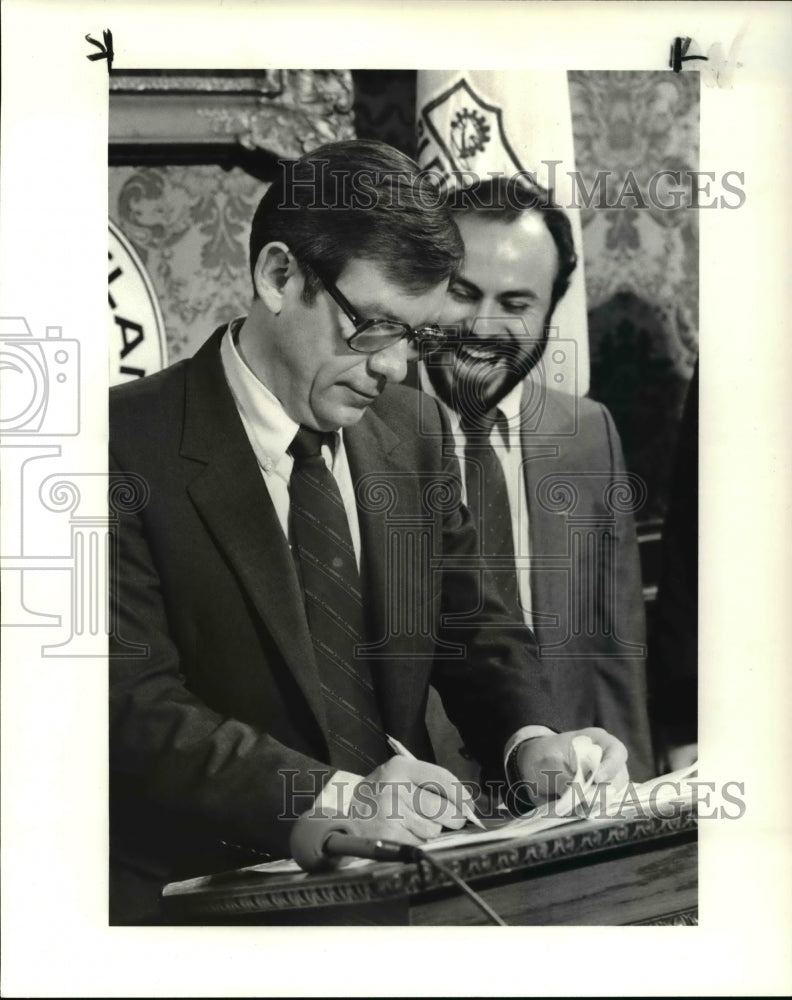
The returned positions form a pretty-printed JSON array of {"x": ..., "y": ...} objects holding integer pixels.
[
  {"x": 682, "y": 918},
  {"x": 253, "y": 893}
]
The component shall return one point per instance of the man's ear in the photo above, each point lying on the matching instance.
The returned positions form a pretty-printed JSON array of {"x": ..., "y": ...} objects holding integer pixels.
[{"x": 274, "y": 267}]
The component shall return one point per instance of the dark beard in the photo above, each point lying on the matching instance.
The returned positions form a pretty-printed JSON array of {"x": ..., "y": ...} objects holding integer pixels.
[{"x": 473, "y": 385}]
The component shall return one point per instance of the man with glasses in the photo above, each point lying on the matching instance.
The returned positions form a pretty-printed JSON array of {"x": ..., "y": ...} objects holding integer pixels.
[{"x": 303, "y": 568}]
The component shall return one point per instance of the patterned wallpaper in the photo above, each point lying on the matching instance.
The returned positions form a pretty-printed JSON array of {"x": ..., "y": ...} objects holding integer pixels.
[
  {"x": 641, "y": 262},
  {"x": 190, "y": 224},
  {"x": 188, "y": 209}
]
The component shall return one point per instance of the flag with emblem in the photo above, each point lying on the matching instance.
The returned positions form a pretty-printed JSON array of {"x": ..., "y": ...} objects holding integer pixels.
[{"x": 474, "y": 122}]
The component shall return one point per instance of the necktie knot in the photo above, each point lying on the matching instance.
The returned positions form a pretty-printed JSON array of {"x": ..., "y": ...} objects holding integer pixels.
[
  {"x": 308, "y": 443},
  {"x": 478, "y": 426}
]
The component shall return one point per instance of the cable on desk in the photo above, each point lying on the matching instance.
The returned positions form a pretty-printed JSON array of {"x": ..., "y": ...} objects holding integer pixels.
[{"x": 430, "y": 858}]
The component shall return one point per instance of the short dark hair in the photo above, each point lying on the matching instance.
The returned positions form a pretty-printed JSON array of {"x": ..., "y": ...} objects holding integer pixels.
[
  {"x": 360, "y": 199},
  {"x": 504, "y": 199}
]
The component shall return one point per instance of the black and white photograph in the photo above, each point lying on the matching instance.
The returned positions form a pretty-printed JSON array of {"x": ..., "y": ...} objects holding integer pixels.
[
  {"x": 380, "y": 546},
  {"x": 476, "y": 236}
]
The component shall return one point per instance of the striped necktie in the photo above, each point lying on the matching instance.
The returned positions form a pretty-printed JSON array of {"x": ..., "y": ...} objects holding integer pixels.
[{"x": 325, "y": 558}]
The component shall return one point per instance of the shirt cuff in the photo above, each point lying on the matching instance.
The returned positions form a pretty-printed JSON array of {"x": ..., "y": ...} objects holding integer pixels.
[
  {"x": 523, "y": 734},
  {"x": 518, "y": 796},
  {"x": 336, "y": 796}
]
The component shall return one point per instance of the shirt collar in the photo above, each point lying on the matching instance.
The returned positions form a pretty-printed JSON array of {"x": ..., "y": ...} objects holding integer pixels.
[
  {"x": 509, "y": 407},
  {"x": 271, "y": 429},
  {"x": 511, "y": 404}
]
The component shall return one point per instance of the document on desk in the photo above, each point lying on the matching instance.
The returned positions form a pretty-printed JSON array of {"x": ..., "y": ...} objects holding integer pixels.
[{"x": 582, "y": 800}]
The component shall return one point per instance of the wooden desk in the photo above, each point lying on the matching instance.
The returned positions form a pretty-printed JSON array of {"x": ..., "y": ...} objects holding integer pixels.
[{"x": 597, "y": 872}]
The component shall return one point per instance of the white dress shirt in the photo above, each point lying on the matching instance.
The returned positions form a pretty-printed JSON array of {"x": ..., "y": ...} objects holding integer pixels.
[
  {"x": 271, "y": 431},
  {"x": 506, "y": 442}
]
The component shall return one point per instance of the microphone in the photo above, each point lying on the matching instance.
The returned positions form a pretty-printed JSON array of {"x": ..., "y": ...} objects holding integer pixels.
[{"x": 317, "y": 843}]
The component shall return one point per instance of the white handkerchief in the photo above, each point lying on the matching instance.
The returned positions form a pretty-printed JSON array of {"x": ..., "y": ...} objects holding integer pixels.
[{"x": 586, "y": 757}]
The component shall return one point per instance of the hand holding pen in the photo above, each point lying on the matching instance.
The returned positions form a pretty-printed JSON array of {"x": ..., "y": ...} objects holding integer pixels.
[{"x": 466, "y": 806}]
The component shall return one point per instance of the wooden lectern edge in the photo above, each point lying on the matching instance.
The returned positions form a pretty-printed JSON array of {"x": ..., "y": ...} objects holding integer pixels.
[{"x": 246, "y": 891}]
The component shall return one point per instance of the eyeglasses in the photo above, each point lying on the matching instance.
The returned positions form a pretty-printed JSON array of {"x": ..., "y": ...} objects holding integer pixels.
[{"x": 372, "y": 335}]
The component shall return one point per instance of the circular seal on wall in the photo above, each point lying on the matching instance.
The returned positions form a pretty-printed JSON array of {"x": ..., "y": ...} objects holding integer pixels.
[{"x": 137, "y": 330}]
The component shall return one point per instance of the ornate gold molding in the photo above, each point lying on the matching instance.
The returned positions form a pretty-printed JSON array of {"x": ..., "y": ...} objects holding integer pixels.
[
  {"x": 284, "y": 113},
  {"x": 265, "y": 83}
]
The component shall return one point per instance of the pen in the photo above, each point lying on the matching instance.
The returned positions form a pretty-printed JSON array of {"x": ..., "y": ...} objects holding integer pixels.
[{"x": 401, "y": 751}]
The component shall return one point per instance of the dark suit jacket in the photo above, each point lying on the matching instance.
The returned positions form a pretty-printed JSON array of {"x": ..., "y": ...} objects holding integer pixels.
[
  {"x": 585, "y": 575},
  {"x": 673, "y": 671},
  {"x": 216, "y": 714}
]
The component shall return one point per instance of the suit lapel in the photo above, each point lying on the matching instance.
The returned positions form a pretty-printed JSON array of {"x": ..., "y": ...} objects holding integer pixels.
[
  {"x": 388, "y": 487},
  {"x": 234, "y": 503},
  {"x": 372, "y": 465},
  {"x": 543, "y": 455}
]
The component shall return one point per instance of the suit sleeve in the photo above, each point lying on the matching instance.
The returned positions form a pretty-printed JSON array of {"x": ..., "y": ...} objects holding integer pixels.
[
  {"x": 623, "y": 678},
  {"x": 674, "y": 649},
  {"x": 498, "y": 685},
  {"x": 629, "y": 611},
  {"x": 175, "y": 752}
]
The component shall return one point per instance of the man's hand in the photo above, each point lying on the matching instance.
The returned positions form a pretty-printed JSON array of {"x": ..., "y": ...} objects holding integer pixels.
[
  {"x": 408, "y": 801},
  {"x": 674, "y": 757},
  {"x": 547, "y": 763}
]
